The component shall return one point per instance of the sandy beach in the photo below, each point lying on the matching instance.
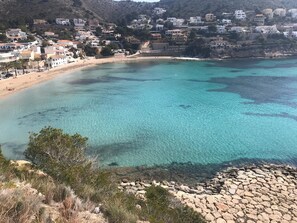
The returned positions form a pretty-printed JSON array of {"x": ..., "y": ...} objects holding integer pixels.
[{"x": 12, "y": 85}]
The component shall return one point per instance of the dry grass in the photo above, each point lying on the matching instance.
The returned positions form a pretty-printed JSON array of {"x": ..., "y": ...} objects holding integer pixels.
[{"x": 19, "y": 205}]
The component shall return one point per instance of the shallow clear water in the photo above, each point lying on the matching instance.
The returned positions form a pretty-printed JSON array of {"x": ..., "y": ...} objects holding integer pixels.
[{"x": 150, "y": 113}]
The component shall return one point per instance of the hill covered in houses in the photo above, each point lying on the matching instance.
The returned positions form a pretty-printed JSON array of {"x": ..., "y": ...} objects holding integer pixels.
[
  {"x": 22, "y": 11},
  {"x": 194, "y": 7}
]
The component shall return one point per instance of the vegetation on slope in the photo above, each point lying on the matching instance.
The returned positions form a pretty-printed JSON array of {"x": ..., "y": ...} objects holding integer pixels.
[
  {"x": 73, "y": 180},
  {"x": 14, "y": 13}
]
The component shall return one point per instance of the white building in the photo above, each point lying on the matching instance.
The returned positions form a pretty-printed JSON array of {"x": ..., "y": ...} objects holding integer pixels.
[
  {"x": 57, "y": 60},
  {"x": 79, "y": 22},
  {"x": 227, "y": 21},
  {"x": 209, "y": 17},
  {"x": 195, "y": 20},
  {"x": 16, "y": 34},
  {"x": 172, "y": 32},
  {"x": 268, "y": 13},
  {"x": 291, "y": 34},
  {"x": 178, "y": 22},
  {"x": 293, "y": 13},
  {"x": 159, "y": 27},
  {"x": 281, "y": 12},
  {"x": 240, "y": 15},
  {"x": 159, "y": 11},
  {"x": 237, "y": 29},
  {"x": 267, "y": 29},
  {"x": 219, "y": 44},
  {"x": 63, "y": 22},
  {"x": 221, "y": 29},
  {"x": 7, "y": 57},
  {"x": 12, "y": 46},
  {"x": 171, "y": 19}
]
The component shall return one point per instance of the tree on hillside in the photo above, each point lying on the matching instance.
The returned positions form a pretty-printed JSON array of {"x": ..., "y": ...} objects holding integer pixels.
[
  {"x": 90, "y": 51},
  {"x": 59, "y": 154},
  {"x": 106, "y": 51},
  {"x": 98, "y": 31},
  {"x": 198, "y": 48}
]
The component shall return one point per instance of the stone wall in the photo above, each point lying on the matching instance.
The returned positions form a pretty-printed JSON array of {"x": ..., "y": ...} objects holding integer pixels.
[{"x": 265, "y": 193}]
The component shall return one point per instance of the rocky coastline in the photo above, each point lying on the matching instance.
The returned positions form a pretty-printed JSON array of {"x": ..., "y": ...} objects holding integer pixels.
[{"x": 251, "y": 193}]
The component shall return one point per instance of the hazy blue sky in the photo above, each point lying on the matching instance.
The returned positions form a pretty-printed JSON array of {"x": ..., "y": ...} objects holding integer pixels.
[
  {"x": 146, "y": 0},
  {"x": 143, "y": 0}
]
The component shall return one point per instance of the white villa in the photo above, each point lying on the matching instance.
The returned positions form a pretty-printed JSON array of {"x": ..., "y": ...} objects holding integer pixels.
[
  {"x": 159, "y": 27},
  {"x": 79, "y": 22},
  {"x": 55, "y": 61},
  {"x": 210, "y": 17},
  {"x": 159, "y": 11},
  {"x": 240, "y": 15},
  {"x": 173, "y": 31},
  {"x": 62, "y": 21},
  {"x": 267, "y": 29},
  {"x": 268, "y": 13},
  {"x": 195, "y": 20},
  {"x": 16, "y": 34},
  {"x": 238, "y": 29},
  {"x": 8, "y": 57},
  {"x": 281, "y": 12},
  {"x": 227, "y": 21},
  {"x": 293, "y": 13}
]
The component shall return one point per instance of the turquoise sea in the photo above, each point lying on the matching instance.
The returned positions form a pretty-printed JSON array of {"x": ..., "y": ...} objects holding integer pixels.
[{"x": 149, "y": 113}]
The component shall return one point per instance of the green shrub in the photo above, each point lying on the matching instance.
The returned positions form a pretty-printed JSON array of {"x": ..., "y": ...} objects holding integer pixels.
[
  {"x": 121, "y": 209},
  {"x": 59, "y": 154},
  {"x": 161, "y": 208}
]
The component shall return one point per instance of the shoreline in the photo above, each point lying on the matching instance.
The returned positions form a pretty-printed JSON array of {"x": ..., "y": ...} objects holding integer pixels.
[
  {"x": 11, "y": 86},
  {"x": 187, "y": 173},
  {"x": 251, "y": 193}
]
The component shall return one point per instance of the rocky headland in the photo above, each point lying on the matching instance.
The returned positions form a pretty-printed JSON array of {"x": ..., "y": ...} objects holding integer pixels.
[{"x": 254, "y": 193}]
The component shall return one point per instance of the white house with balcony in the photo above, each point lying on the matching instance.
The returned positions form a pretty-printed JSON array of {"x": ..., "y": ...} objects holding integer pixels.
[
  {"x": 8, "y": 57},
  {"x": 16, "y": 34},
  {"x": 178, "y": 22},
  {"x": 196, "y": 20},
  {"x": 240, "y": 15},
  {"x": 79, "y": 23},
  {"x": 173, "y": 32},
  {"x": 57, "y": 60},
  {"x": 62, "y": 21}
]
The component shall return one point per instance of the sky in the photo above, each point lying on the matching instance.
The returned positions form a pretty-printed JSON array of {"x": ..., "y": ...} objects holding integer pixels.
[
  {"x": 146, "y": 0},
  {"x": 143, "y": 0}
]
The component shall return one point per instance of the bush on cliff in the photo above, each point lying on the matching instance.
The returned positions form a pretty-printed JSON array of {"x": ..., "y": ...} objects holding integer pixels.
[
  {"x": 59, "y": 154},
  {"x": 62, "y": 156}
]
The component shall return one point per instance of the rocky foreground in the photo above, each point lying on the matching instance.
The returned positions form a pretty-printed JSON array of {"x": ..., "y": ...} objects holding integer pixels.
[{"x": 266, "y": 193}]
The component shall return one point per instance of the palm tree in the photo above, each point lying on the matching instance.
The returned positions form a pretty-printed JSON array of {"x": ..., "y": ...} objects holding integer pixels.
[
  {"x": 15, "y": 65},
  {"x": 7, "y": 66},
  {"x": 23, "y": 64},
  {"x": 38, "y": 61}
]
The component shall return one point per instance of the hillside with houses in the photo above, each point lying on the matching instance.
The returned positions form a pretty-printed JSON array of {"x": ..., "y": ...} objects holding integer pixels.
[{"x": 41, "y": 44}]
